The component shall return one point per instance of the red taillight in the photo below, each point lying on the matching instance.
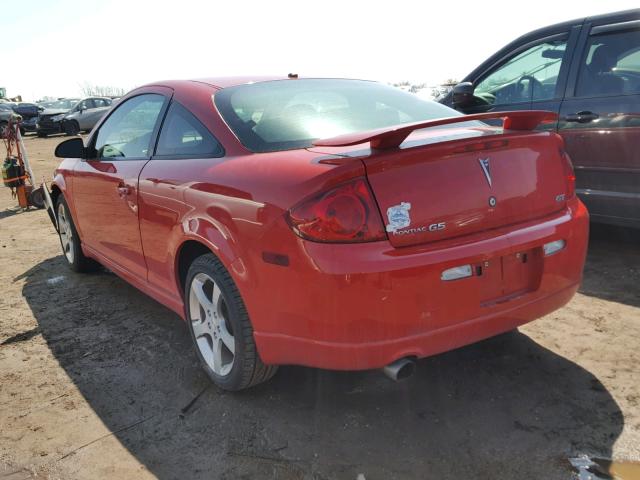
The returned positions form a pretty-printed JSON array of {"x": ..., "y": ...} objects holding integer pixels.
[{"x": 346, "y": 213}]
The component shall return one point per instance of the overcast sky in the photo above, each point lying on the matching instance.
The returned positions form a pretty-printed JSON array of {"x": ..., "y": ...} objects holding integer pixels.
[{"x": 52, "y": 47}]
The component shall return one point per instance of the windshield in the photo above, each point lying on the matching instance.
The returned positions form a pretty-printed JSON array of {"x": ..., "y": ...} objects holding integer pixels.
[
  {"x": 64, "y": 104},
  {"x": 289, "y": 114}
]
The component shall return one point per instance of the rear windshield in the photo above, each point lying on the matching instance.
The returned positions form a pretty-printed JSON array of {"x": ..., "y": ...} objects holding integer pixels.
[{"x": 289, "y": 114}]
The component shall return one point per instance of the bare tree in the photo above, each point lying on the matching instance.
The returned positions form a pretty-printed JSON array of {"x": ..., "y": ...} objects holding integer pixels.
[{"x": 90, "y": 90}]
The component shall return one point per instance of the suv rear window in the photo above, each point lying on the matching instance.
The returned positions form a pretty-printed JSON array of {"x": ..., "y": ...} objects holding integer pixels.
[{"x": 290, "y": 114}]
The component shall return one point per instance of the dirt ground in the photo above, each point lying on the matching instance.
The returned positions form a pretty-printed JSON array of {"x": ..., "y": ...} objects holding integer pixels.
[{"x": 99, "y": 381}]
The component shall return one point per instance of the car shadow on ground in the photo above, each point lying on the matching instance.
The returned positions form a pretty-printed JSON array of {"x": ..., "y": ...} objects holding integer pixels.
[
  {"x": 612, "y": 271},
  {"x": 502, "y": 408}
]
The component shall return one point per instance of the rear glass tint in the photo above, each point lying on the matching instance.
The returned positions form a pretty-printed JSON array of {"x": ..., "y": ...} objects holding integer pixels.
[{"x": 289, "y": 114}]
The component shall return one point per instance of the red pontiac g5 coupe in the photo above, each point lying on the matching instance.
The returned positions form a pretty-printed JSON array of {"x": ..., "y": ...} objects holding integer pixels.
[{"x": 339, "y": 224}]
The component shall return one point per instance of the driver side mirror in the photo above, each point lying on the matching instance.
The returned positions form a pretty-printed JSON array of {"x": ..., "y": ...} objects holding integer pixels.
[
  {"x": 463, "y": 95},
  {"x": 72, "y": 148}
]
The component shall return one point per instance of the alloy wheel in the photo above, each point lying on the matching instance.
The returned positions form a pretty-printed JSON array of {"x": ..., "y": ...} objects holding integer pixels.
[
  {"x": 66, "y": 234},
  {"x": 209, "y": 319}
]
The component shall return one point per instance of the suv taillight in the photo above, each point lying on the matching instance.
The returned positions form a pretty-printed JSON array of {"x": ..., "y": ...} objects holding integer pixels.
[
  {"x": 570, "y": 175},
  {"x": 345, "y": 214}
]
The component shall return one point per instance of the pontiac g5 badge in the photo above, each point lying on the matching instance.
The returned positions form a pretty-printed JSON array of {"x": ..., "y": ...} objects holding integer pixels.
[
  {"x": 484, "y": 163},
  {"x": 398, "y": 216}
]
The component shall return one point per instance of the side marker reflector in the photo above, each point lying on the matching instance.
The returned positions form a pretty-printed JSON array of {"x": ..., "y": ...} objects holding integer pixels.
[
  {"x": 553, "y": 247},
  {"x": 456, "y": 273}
]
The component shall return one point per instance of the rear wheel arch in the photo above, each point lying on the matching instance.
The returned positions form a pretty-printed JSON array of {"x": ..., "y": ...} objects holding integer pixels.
[{"x": 187, "y": 252}]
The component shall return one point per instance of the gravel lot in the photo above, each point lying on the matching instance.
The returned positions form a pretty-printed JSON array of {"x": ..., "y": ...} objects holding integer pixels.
[{"x": 97, "y": 380}]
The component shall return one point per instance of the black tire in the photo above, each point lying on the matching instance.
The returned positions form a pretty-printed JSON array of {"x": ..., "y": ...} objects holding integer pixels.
[
  {"x": 72, "y": 251},
  {"x": 247, "y": 369},
  {"x": 71, "y": 128}
]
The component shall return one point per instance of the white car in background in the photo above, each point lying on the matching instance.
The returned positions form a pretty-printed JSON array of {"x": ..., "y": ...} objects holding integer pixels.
[{"x": 85, "y": 114}]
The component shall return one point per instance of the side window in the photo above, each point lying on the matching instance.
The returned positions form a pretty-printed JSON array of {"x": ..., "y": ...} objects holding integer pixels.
[
  {"x": 529, "y": 76},
  {"x": 611, "y": 65},
  {"x": 99, "y": 102},
  {"x": 127, "y": 132},
  {"x": 184, "y": 136}
]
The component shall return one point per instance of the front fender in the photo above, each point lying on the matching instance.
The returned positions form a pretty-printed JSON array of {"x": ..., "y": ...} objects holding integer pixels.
[{"x": 62, "y": 185}]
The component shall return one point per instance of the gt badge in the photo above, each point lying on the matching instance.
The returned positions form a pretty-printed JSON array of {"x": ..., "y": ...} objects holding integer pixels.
[{"x": 398, "y": 216}]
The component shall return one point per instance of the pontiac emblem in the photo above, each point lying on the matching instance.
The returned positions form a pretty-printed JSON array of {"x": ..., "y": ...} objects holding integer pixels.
[{"x": 484, "y": 163}]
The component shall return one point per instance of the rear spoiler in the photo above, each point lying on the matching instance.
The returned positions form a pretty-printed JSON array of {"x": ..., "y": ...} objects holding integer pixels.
[{"x": 392, "y": 137}]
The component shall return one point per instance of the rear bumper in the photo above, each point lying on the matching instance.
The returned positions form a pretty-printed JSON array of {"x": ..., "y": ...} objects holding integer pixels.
[
  {"x": 355, "y": 307},
  {"x": 283, "y": 349}
]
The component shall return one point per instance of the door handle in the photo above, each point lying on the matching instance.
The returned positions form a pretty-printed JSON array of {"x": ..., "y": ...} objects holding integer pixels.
[
  {"x": 124, "y": 189},
  {"x": 581, "y": 117}
]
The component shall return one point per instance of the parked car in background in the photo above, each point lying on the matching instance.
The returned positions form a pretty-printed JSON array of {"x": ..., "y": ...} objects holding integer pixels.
[
  {"x": 587, "y": 71},
  {"x": 50, "y": 118},
  {"x": 388, "y": 241},
  {"x": 6, "y": 110},
  {"x": 28, "y": 111},
  {"x": 85, "y": 114}
]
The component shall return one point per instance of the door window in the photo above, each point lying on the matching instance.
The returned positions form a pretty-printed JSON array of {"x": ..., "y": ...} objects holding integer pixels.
[
  {"x": 100, "y": 102},
  {"x": 184, "y": 136},
  {"x": 127, "y": 133},
  {"x": 85, "y": 104},
  {"x": 611, "y": 65},
  {"x": 529, "y": 76}
]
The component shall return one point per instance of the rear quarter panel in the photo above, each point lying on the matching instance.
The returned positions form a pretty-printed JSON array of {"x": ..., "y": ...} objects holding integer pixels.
[{"x": 232, "y": 205}]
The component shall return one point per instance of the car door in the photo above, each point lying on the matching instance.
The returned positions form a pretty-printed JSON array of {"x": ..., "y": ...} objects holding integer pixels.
[
  {"x": 99, "y": 107},
  {"x": 105, "y": 187},
  {"x": 82, "y": 111},
  {"x": 530, "y": 76},
  {"x": 184, "y": 146},
  {"x": 600, "y": 121}
]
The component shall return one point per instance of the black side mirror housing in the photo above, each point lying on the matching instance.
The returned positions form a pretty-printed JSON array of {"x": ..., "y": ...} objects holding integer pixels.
[
  {"x": 72, "y": 148},
  {"x": 463, "y": 95}
]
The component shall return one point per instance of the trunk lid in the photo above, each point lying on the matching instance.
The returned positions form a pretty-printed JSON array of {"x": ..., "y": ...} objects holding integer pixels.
[
  {"x": 444, "y": 191},
  {"x": 434, "y": 184}
]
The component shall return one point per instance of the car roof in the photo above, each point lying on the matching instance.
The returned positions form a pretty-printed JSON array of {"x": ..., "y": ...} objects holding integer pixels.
[
  {"x": 614, "y": 16},
  {"x": 548, "y": 31},
  {"x": 232, "y": 81},
  {"x": 225, "y": 82}
]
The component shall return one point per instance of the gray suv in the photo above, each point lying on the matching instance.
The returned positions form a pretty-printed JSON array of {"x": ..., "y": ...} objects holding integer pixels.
[{"x": 85, "y": 114}]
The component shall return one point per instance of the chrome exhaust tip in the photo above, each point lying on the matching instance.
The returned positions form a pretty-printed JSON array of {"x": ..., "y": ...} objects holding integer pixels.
[{"x": 400, "y": 369}]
